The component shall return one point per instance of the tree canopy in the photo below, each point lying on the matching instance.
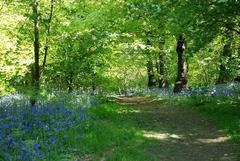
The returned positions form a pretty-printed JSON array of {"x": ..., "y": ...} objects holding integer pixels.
[{"x": 109, "y": 45}]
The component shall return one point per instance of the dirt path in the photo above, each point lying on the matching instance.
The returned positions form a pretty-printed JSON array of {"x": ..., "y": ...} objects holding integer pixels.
[{"x": 183, "y": 135}]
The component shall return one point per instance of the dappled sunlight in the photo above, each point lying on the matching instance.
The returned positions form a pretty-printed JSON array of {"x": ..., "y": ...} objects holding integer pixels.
[
  {"x": 168, "y": 136},
  {"x": 122, "y": 111},
  {"x": 214, "y": 140},
  {"x": 161, "y": 136},
  {"x": 134, "y": 100}
]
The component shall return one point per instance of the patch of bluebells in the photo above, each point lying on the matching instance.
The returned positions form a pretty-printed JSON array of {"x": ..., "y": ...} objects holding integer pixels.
[
  {"x": 217, "y": 90},
  {"x": 29, "y": 133},
  {"x": 228, "y": 89}
]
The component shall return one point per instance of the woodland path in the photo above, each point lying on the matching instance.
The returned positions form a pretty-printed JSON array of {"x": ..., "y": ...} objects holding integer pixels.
[{"x": 183, "y": 134}]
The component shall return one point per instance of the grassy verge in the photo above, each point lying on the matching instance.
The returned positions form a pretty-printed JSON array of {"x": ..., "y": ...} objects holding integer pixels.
[{"x": 114, "y": 137}]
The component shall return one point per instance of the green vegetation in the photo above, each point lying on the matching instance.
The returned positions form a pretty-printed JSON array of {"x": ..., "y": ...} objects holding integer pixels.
[
  {"x": 115, "y": 136},
  {"x": 109, "y": 46}
]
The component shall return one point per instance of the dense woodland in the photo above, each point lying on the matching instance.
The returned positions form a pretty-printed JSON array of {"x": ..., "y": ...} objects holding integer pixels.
[
  {"x": 112, "y": 45},
  {"x": 73, "y": 59}
]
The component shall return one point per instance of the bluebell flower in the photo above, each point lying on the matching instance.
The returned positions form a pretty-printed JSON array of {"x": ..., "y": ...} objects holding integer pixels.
[
  {"x": 11, "y": 142},
  {"x": 21, "y": 144},
  {"x": 53, "y": 140},
  {"x": 8, "y": 156},
  {"x": 46, "y": 127},
  {"x": 82, "y": 116},
  {"x": 25, "y": 155},
  {"x": 37, "y": 150}
]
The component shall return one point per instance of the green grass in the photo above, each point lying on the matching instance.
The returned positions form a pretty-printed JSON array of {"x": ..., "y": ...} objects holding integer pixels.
[{"x": 113, "y": 136}]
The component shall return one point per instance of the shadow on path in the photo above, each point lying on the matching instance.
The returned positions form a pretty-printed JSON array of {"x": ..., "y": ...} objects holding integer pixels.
[{"x": 183, "y": 135}]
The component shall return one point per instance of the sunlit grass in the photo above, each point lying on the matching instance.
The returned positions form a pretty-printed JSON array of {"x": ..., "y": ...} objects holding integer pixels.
[{"x": 161, "y": 136}]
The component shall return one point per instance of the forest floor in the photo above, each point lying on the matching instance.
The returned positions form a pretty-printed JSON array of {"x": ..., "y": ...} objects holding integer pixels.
[{"x": 177, "y": 134}]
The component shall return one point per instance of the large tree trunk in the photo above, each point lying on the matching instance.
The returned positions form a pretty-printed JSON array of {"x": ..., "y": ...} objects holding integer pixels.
[
  {"x": 162, "y": 81},
  {"x": 182, "y": 74},
  {"x": 224, "y": 76},
  {"x": 151, "y": 76},
  {"x": 36, "y": 67}
]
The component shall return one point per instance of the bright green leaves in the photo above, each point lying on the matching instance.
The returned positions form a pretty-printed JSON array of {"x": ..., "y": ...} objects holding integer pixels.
[{"x": 106, "y": 43}]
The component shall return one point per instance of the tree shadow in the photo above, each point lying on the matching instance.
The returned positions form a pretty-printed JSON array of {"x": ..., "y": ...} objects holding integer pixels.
[{"x": 180, "y": 134}]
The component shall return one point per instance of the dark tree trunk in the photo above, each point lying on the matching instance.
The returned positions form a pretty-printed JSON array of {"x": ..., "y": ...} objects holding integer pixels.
[
  {"x": 70, "y": 82},
  {"x": 36, "y": 67},
  {"x": 93, "y": 90},
  {"x": 150, "y": 71},
  {"x": 151, "y": 76},
  {"x": 182, "y": 74},
  {"x": 162, "y": 81},
  {"x": 237, "y": 79},
  {"x": 224, "y": 76}
]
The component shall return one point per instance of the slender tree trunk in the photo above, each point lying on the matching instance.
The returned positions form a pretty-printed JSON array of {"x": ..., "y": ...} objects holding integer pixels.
[
  {"x": 237, "y": 77},
  {"x": 224, "y": 76},
  {"x": 70, "y": 82},
  {"x": 150, "y": 71},
  {"x": 151, "y": 77},
  {"x": 36, "y": 67},
  {"x": 46, "y": 48},
  {"x": 182, "y": 74},
  {"x": 93, "y": 90}
]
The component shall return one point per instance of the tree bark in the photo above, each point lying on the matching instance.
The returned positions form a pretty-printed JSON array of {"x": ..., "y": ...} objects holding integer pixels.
[
  {"x": 150, "y": 71},
  {"x": 36, "y": 67},
  {"x": 70, "y": 82},
  {"x": 162, "y": 81},
  {"x": 182, "y": 74},
  {"x": 224, "y": 72},
  {"x": 151, "y": 76}
]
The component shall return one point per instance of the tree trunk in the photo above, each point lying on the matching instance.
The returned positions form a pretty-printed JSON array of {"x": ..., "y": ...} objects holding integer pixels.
[
  {"x": 237, "y": 79},
  {"x": 182, "y": 74},
  {"x": 162, "y": 81},
  {"x": 70, "y": 82},
  {"x": 150, "y": 71},
  {"x": 224, "y": 76},
  {"x": 151, "y": 79},
  {"x": 36, "y": 67}
]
